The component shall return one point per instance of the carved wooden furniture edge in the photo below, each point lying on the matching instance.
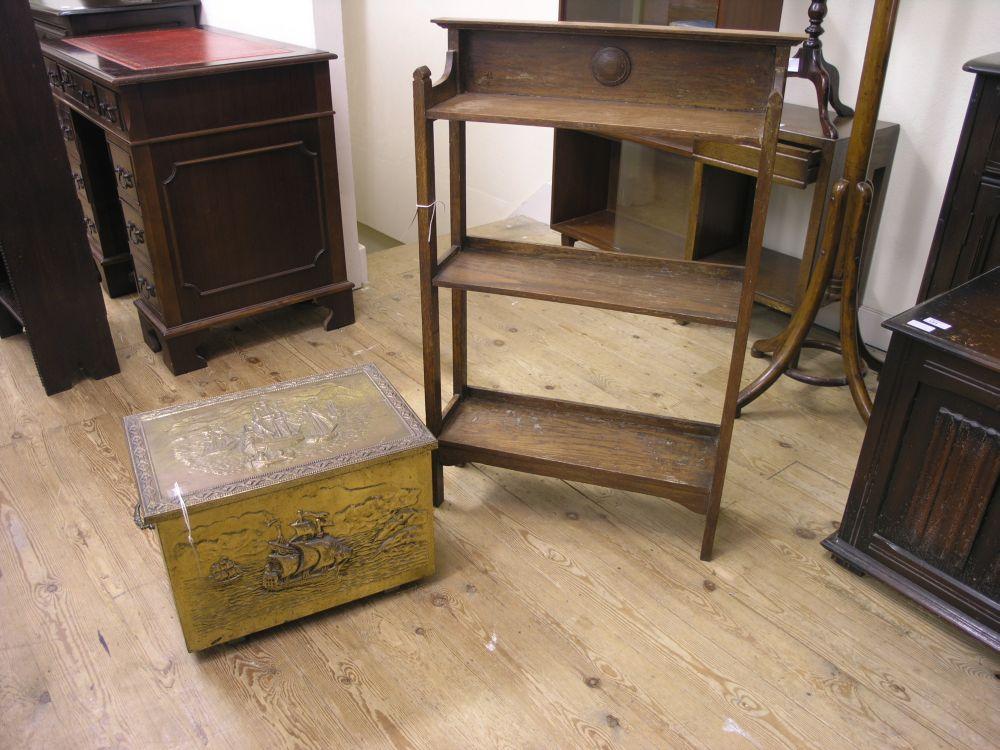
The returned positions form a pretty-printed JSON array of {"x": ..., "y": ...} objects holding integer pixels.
[
  {"x": 741, "y": 36},
  {"x": 152, "y": 506}
]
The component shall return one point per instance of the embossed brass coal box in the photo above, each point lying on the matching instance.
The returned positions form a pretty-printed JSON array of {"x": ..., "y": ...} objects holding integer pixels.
[{"x": 278, "y": 502}]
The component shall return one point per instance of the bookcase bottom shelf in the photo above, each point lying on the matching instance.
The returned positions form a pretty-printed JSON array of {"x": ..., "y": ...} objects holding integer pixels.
[{"x": 655, "y": 455}]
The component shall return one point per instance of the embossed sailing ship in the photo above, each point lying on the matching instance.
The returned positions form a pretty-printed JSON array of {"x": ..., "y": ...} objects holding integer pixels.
[{"x": 310, "y": 552}]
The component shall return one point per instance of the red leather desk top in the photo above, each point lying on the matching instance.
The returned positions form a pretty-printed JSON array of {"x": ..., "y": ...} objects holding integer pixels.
[{"x": 168, "y": 48}]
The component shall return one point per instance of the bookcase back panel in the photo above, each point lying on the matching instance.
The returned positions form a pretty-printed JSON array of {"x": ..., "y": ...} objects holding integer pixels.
[{"x": 679, "y": 72}]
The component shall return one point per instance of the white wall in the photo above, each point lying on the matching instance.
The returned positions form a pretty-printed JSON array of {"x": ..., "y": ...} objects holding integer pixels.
[
  {"x": 386, "y": 41},
  {"x": 926, "y": 92},
  {"x": 307, "y": 23}
]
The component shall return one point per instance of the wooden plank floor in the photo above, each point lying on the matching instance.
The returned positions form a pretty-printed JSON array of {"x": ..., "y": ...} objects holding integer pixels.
[{"x": 562, "y": 615}]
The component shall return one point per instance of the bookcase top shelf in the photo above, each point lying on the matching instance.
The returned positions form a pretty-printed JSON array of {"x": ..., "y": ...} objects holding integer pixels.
[
  {"x": 577, "y": 28},
  {"x": 617, "y": 80}
]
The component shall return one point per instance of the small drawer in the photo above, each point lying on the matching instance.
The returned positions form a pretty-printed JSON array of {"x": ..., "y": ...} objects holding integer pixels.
[
  {"x": 135, "y": 230},
  {"x": 124, "y": 175},
  {"x": 793, "y": 165},
  {"x": 55, "y": 78},
  {"x": 79, "y": 183},
  {"x": 90, "y": 224},
  {"x": 68, "y": 132},
  {"x": 109, "y": 109},
  {"x": 79, "y": 88},
  {"x": 145, "y": 281}
]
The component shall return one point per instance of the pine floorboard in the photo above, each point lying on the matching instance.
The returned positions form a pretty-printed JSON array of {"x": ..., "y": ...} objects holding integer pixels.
[{"x": 562, "y": 615}]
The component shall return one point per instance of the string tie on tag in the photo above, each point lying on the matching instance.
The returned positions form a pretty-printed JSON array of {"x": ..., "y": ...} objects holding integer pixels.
[{"x": 430, "y": 224}]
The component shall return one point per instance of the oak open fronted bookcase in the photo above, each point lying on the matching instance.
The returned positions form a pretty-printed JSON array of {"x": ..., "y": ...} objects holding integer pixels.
[{"x": 616, "y": 80}]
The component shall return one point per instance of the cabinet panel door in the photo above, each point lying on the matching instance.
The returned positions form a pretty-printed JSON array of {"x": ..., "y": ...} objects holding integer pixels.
[
  {"x": 981, "y": 250},
  {"x": 250, "y": 216},
  {"x": 941, "y": 502}
]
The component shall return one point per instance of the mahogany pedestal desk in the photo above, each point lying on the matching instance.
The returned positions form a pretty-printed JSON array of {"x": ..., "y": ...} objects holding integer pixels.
[
  {"x": 924, "y": 510},
  {"x": 211, "y": 157}
]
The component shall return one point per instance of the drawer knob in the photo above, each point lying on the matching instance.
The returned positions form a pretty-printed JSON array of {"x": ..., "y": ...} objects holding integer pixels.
[
  {"x": 125, "y": 179},
  {"x": 145, "y": 286},
  {"x": 611, "y": 66},
  {"x": 136, "y": 234},
  {"x": 108, "y": 111}
]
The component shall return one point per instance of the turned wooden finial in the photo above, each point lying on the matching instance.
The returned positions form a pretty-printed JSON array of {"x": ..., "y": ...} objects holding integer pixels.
[{"x": 817, "y": 13}]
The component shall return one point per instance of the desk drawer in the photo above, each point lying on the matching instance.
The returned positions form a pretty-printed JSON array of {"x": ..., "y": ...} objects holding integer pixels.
[
  {"x": 79, "y": 182},
  {"x": 68, "y": 132},
  {"x": 135, "y": 230},
  {"x": 109, "y": 109},
  {"x": 145, "y": 281},
  {"x": 79, "y": 88},
  {"x": 90, "y": 225},
  {"x": 124, "y": 175},
  {"x": 54, "y": 76},
  {"x": 793, "y": 165}
]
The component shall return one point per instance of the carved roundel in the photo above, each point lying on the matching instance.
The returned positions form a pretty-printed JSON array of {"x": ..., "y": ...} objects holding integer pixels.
[{"x": 611, "y": 66}]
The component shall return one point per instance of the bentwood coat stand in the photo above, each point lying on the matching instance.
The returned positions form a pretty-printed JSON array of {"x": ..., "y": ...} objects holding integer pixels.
[
  {"x": 840, "y": 260},
  {"x": 684, "y": 83}
]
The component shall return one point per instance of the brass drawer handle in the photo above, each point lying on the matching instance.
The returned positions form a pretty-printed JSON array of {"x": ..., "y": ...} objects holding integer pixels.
[
  {"x": 136, "y": 234},
  {"x": 145, "y": 286},
  {"x": 87, "y": 97},
  {"x": 125, "y": 179},
  {"x": 108, "y": 111}
]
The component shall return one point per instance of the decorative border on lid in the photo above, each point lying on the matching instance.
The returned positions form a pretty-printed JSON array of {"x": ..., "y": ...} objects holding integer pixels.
[{"x": 152, "y": 504}]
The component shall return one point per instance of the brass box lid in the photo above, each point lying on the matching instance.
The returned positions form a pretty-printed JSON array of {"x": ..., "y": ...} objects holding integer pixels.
[{"x": 222, "y": 448}]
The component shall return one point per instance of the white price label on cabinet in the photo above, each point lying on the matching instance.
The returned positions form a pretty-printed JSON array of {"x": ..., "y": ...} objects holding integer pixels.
[
  {"x": 938, "y": 323},
  {"x": 921, "y": 325}
]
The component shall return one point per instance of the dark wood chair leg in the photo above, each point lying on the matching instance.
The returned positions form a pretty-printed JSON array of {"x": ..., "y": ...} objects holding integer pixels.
[
  {"x": 9, "y": 325},
  {"x": 117, "y": 279},
  {"x": 341, "y": 307}
]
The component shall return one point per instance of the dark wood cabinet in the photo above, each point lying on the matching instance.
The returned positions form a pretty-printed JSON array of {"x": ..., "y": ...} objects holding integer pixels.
[
  {"x": 55, "y": 19},
  {"x": 967, "y": 242},
  {"x": 923, "y": 513},
  {"x": 206, "y": 165},
  {"x": 48, "y": 287}
]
